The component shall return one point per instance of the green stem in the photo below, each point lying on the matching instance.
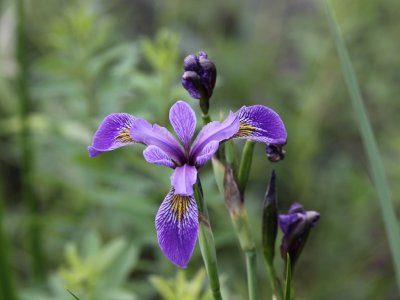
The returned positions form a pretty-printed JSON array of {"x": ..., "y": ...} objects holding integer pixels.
[
  {"x": 243, "y": 232},
  {"x": 377, "y": 171},
  {"x": 251, "y": 273},
  {"x": 206, "y": 118},
  {"x": 245, "y": 165},
  {"x": 273, "y": 279},
  {"x": 207, "y": 244},
  {"x": 7, "y": 290},
  {"x": 34, "y": 232}
]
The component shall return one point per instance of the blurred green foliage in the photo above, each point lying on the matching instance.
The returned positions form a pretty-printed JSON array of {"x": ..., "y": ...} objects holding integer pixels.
[{"x": 90, "y": 58}]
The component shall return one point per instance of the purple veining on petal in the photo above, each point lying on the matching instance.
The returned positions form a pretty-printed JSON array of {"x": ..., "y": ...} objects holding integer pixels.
[
  {"x": 155, "y": 155},
  {"x": 183, "y": 120},
  {"x": 143, "y": 132},
  {"x": 214, "y": 131},
  {"x": 207, "y": 153},
  {"x": 113, "y": 132},
  {"x": 261, "y": 124},
  {"x": 183, "y": 179},
  {"x": 177, "y": 226}
]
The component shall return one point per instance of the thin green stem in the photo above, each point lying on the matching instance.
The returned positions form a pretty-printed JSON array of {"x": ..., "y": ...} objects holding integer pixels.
[
  {"x": 34, "y": 231},
  {"x": 377, "y": 171},
  {"x": 273, "y": 279},
  {"x": 207, "y": 244},
  {"x": 251, "y": 267},
  {"x": 242, "y": 227},
  {"x": 206, "y": 118}
]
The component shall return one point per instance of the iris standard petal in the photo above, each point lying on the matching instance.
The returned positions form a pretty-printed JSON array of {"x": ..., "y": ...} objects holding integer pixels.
[
  {"x": 261, "y": 124},
  {"x": 183, "y": 120},
  {"x": 183, "y": 179},
  {"x": 155, "y": 155},
  {"x": 113, "y": 132},
  {"x": 207, "y": 153},
  {"x": 214, "y": 131},
  {"x": 177, "y": 225},
  {"x": 148, "y": 134}
]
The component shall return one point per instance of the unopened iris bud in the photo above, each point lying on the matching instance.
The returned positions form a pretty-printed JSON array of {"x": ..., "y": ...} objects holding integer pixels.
[
  {"x": 270, "y": 220},
  {"x": 202, "y": 85},
  {"x": 296, "y": 226},
  {"x": 275, "y": 152}
]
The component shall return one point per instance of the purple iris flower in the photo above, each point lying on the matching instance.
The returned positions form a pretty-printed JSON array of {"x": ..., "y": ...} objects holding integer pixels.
[
  {"x": 177, "y": 220},
  {"x": 296, "y": 226}
]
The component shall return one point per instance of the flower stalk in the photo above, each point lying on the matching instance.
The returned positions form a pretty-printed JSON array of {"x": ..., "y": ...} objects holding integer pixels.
[
  {"x": 234, "y": 201},
  {"x": 269, "y": 233},
  {"x": 207, "y": 244}
]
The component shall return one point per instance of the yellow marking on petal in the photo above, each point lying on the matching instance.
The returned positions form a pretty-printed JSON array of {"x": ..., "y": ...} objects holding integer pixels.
[
  {"x": 180, "y": 206},
  {"x": 124, "y": 136},
  {"x": 245, "y": 130}
]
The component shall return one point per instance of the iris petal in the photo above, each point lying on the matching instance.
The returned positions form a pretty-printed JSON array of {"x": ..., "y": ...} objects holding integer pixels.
[
  {"x": 148, "y": 134},
  {"x": 183, "y": 179},
  {"x": 207, "y": 153},
  {"x": 261, "y": 124},
  {"x": 183, "y": 120},
  {"x": 155, "y": 155},
  {"x": 214, "y": 132},
  {"x": 113, "y": 132},
  {"x": 177, "y": 225}
]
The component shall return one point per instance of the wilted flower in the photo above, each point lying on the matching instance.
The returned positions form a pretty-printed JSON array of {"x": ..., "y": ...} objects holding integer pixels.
[
  {"x": 200, "y": 75},
  {"x": 275, "y": 152},
  {"x": 296, "y": 226},
  {"x": 177, "y": 218}
]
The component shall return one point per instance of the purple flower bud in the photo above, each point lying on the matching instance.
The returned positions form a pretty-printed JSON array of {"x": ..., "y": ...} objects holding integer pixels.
[
  {"x": 296, "y": 226},
  {"x": 203, "y": 85},
  {"x": 270, "y": 220},
  {"x": 275, "y": 152}
]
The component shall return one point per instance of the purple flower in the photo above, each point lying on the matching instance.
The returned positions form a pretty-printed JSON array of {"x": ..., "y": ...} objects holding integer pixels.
[
  {"x": 296, "y": 226},
  {"x": 177, "y": 218},
  {"x": 199, "y": 76}
]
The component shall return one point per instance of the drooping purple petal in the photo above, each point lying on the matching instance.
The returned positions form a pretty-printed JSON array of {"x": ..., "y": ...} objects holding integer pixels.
[
  {"x": 286, "y": 222},
  {"x": 214, "y": 131},
  {"x": 261, "y": 124},
  {"x": 183, "y": 120},
  {"x": 143, "y": 132},
  {"x": 155, "y": 155},
  {"x": 113, "y": 132},
  {"x": 207, "y": 153},
  {"x": 183, "y": 179},
  {"x": 177, "y": 225}
]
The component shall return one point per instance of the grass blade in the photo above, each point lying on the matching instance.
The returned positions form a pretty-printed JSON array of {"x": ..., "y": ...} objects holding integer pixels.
[{"x": 377, "y": 171}]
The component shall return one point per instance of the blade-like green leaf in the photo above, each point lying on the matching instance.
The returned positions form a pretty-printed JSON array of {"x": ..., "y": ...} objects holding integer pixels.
[{"x": 370, "y": 145}]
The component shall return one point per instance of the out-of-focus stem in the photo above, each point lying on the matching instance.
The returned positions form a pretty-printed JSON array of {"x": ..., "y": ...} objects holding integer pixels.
[
  {"x": 276, "y": 288},
  {"x": 207, "y": 244},
  {"x": 243, "y": 232},
  {"x": 7, "y": 290},
  {"x": 34, "y": 232},
  {"x": 251, "y": 273}
]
